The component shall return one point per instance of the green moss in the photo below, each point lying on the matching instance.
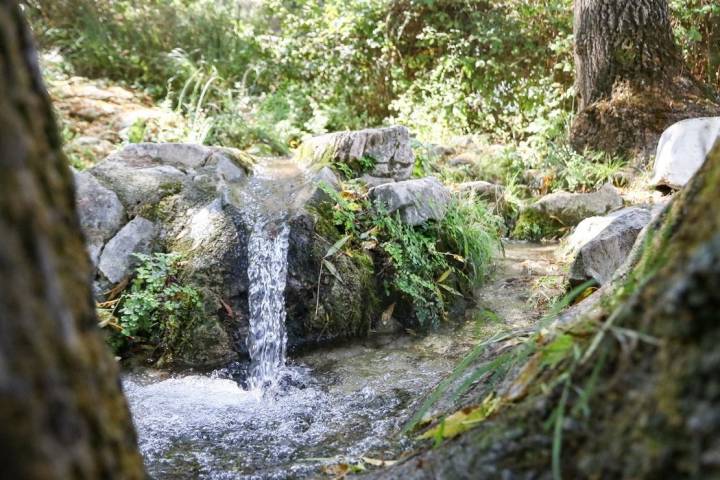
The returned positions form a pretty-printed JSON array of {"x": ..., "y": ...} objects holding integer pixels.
[
  {"x": 160, "y": 211},
  {"x": 325, "y": 222},
  {"x": 533, "y": 225},
  {"x": 242, "y": 159},
  {"x": 347, "y": 308}
]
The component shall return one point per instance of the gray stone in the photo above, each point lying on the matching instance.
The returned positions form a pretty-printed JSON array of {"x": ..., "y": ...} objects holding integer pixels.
[
  {"x": 482, "y": 189},
  {"x": 144, "y": 173},
  {"x": 101, "y": 213},
  {"x": 572, "y": 208},
  {"x": 117, "y": 261},
  {"x": 389, "y": 147},
  {"x": 682, "y": 150},
  {"x": 371, "y": 181},
  {"x": 599, "y": 245},
  {"x": 417, "y": 201}
]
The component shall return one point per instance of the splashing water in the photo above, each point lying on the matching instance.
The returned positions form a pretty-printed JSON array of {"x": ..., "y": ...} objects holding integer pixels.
[{"x": 267, "y": 272}]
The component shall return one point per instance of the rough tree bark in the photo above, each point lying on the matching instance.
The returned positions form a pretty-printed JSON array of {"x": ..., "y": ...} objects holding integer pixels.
[
  {"x": 630, "y": 77},
  {"x": 62, "y": 412}
]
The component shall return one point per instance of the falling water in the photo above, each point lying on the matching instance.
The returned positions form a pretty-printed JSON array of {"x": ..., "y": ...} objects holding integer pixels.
[
  {"x": 266, "y": 202},
  {"x": 267, "y": 271}
]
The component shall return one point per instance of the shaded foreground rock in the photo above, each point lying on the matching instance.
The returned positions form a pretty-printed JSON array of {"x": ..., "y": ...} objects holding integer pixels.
[
  {"x": 388, "y": 148},
  {"x": 600, "y": 245},
  {"x": 682, "y": 150},
  {"x": 416, "y": 201}
]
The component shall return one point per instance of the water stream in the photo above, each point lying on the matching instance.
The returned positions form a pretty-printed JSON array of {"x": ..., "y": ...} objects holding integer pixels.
[
  {"x": 267, "y": 271},
  {"x": 266, "y": 201},
  {"x": 298, "y": 416}
]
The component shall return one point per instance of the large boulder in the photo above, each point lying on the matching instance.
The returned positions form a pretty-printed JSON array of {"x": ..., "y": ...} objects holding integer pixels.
[
  {"x": 101, "y": 213},
  {"x": 388, "y": 149},
  {"x": 117, "y": 260},
  {"x": 207, "y": 218},
  {"x": 572, "y": 208},
  {"x": 682, "y": 150},
  {"x": 599, "y": 245},
  {"x": 416, "y": 201}
]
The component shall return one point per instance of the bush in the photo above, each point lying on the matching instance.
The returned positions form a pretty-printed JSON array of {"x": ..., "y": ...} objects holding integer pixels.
[
  {"x": 426, "y": 265},
  {"x": 282, "y": 69}
]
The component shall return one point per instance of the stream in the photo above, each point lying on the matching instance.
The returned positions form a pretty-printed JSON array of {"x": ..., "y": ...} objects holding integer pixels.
[{"x": 276, "y": 418}]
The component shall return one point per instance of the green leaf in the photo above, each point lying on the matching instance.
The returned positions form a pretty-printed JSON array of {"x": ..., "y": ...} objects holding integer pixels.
[
  {"x": 331, "y": 268},
  {"x": 337, "y": 246}
]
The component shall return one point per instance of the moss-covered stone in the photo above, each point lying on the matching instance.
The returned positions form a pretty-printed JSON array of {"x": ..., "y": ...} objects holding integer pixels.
[{"x": 533, "y": 225}]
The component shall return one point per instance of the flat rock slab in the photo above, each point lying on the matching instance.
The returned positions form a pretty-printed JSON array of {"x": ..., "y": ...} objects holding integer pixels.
[
  {"x": 682, "y": 150},
  {"x": 388, "y": 147},
  {"x": 416, "y": 201},
  {"x": 599, "y": 245},
  {"x": 572, "y": 208}
]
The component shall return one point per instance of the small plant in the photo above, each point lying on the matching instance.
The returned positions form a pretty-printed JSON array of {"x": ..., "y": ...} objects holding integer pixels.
[{"x": 158, "y": 307}]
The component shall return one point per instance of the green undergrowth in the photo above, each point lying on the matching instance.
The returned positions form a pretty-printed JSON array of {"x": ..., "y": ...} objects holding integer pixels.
[
  {"x": 156, "y": 309},
  {"x": 425, "y": 267},
  {"x": 621, "y": 377}
]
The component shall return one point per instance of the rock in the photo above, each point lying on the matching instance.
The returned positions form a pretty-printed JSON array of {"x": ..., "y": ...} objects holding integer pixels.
[
  {"x": 482, "y": 189},
  {"x": 682, "y": 150},
  {"x": 372, "y": 182},
  {"x": 465, "y": 159},
  {"x": 201, "y": 213},
  {"x": 417, "y": 201},
  {"x": 326, "y": 177},
  {"x": 571, "y": 208},
  {"x": 101, "y": 213},
  {"x": 388, "y": 147},
  {"x": 599, "y": 245},
  {"x": 144, "y": 173},
  {"x": 116, "y": 261},
  {"x": 440, "y": 151},
  {"x": 347, "y": 307}
]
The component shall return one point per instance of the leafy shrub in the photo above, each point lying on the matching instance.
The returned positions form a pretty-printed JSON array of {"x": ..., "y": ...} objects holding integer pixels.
[
  {"x": 158, "y": 307},
  {"x": 281, "y": 69},
  {"x": 426, "y": 265}
]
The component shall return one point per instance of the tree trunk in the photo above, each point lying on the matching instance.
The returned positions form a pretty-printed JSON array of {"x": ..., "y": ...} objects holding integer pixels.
[
  {"x": 62, "y": 412},
  {"x": 630, "y": 77}
]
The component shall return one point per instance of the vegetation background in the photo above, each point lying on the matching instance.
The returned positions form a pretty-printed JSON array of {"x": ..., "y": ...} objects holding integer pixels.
[{"x": 267, "y": 73}]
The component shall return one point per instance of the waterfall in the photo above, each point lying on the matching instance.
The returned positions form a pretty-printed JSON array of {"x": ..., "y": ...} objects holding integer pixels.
[
  {"x": 266, "y": 201},
  {"x": 267, "y": 272}
]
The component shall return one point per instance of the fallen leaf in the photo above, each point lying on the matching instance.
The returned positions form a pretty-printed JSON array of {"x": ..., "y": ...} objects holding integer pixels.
[
  {"x": 377, "y": 462},
  {"x": 462, "y": 420}
]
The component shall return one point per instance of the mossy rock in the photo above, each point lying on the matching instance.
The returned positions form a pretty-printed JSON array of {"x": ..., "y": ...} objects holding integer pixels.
[{"x": 534, "y": 226}]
